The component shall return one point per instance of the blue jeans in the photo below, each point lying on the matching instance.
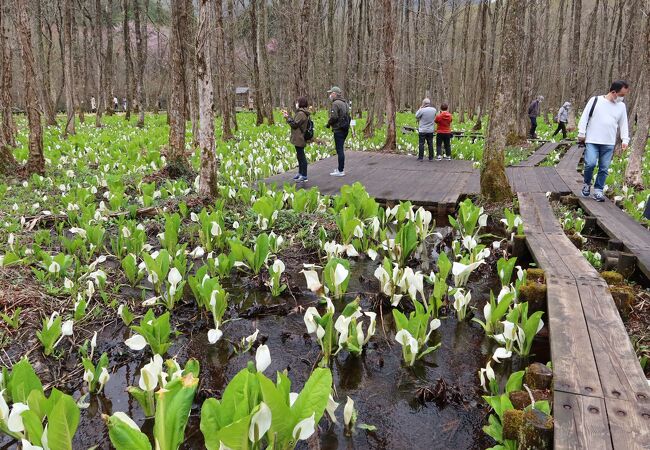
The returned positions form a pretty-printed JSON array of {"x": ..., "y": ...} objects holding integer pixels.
[
  {"x": 533, "y": 126},
  {"x": 597, "y": 154},
  {"x": 339, "y": 142}
]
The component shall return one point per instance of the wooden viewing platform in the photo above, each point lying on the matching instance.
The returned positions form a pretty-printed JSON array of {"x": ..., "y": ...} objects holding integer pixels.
[{"x": 600, "y": 394}]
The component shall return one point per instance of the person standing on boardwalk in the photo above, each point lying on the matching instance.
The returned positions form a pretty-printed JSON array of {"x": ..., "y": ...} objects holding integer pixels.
[
  {"x": 443, "y": 132},
  {"x": 115, "y": 104},
  {"x": 300, "y": 135},
  {"x": 425, "y": 117},
  {"x": 533, "y": 113},
  {"x": 93, "y": 104},
  {"x": 339, "y": 122},
  {"x": 562, "y": 119},
  {"x": 601, "y": 119}
]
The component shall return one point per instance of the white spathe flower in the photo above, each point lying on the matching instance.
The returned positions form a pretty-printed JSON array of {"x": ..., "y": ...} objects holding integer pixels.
[
  {"x": 198, "y": 252},
  {"x": 136, "y": 342},
  {"x": 15, "y": 419},
  {"x": 278, "y": 266},
  {"x": 28, "y": 446},
  {"x": 215, "y": 229},
  {"x": 68, "y": 283},
  {"x": 262, "y": 358},
  {"x": 260, "y": 423},
  {"x": 462, "y": 271},
  {"x": 348, "y": 412},
  {"x": 54, "y": 267},
  {"x": 304, "y": 429},
  {"x": 174, "y": 278},
  {"x": 293, "y": 396},
  {"x": 89, "y": 376},
  {"x": 486, "y": 374},
  {"x": 313, "y": 282},
  {"x": 331, "y": 408},
  {"x": 122, "y": 417},
  {"x": 67, "y": 328},
  {"x": 482, "y": 220},
  {"x": 150, "y": 373},
  {"x": 104, "y": 376},
  {"x": 252, "y": 338},
  {"x": 501, "y": 353},
  {"x": 214, "y": 335},
  {"x": 340, "y": 274},
  {"x": 406, "y": 339},
  {"x": 310, "y": 321},
  {"x": 372, "y": 254},
  {"x": 469, "y": 243}
]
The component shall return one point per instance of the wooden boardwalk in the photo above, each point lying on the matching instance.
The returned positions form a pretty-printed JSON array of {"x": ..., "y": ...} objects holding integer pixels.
[
  {"x": 392, "y": 178},
  {"x": 601, "y": 397},
  {"x": 610, "y": 218}
]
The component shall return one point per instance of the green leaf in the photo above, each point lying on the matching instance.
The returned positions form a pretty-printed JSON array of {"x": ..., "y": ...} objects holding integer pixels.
[
  {"x": 23, "y": 381},
  {"x": 124, "y": 437},
  {"x": 173, "y": 405},
  {"x": 281, "y": 421},
  {"x": 62, "y": 423},
  {"x": 515, "y": 382},
  {"x": 314, "y": 396}
]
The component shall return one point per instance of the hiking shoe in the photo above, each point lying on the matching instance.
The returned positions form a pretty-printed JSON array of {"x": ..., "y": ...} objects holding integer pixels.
[
  {"x": 303, "y": 179},
  {"x": 420, "y": 160},
  {"x": 336, "y": 173},
  {"x": 439, "y": 158},
  {"x": 586, "y": 190},
  {"x": 598, "y": 196},
  {"x": 448, "y": 158},
  {"x": 296, "y": 178}
]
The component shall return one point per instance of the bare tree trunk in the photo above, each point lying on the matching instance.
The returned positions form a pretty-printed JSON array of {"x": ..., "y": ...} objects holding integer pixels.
[
  {"x": 494, "y": 183},
  {"x": 256, "y": 69},
  {"x": 67, "y": 67},
  {"x": 8, "y": 132},
  {"x": 634, "y": 172},
  {"x": 140, "y": 61},
  {"x": 77, "y": 72},
  {"x": 388, "y": 31},
  {"x": 190, "y": 62},
  {"x": 43, "y": 80},
  {"x": 36, "y": 161},
  {"x": 266, "y": 72},
  {"x": 98, "y": 39},
  {"x": 222, "y": 75},
  {"x": 177, "y": 98},
  {"x": 108, "y": 73},
  {"x": 575, "y": 62},
  {"x": 208, "y": 175},
  {"x": 230, "y": 61},
  {"x": 127, "y": 60}
]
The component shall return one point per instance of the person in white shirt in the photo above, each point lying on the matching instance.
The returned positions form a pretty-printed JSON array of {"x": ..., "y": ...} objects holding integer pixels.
[{"x": 598, "y": 131}]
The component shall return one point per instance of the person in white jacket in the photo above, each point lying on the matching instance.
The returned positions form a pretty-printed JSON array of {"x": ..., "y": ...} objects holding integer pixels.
[{"x": 598, "y": 131}]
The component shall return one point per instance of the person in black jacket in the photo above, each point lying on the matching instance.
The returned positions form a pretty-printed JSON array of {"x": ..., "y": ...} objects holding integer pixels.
[
  {"x": 298, "y": 124},
  {"x": 339, "y": 122}
]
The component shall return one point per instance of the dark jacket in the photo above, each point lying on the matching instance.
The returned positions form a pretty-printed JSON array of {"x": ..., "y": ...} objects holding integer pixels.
[
  {"x": 298, "y": 124},
  {"x": 338, "y": 112},
  {"x": 533, "y": 109}
]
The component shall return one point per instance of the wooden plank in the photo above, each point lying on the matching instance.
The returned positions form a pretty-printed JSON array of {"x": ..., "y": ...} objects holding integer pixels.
[
  {"x": 580, "y": 423},
  {"x": 620, "y": 373},
  {"x": 574, "y": 364},
  {"x": 629, "y": 424}
]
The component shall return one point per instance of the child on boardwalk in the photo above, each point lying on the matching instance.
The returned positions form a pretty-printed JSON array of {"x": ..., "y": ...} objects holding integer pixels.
[{"x": 443, "y": 132}]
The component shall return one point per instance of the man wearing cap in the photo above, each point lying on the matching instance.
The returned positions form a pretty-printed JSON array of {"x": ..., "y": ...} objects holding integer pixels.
[{"x": 339, "y": 121}]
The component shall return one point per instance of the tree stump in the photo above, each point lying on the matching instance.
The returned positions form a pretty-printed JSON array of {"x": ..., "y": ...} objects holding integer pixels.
[
  {"x": 626, "y": 264},
  {"x": 623, "y": 299},
  {"x": 611, "y": 277},
  {"x": 569, "y": 200},
  {"x": 521, "y": 399},
  {"x": 519, "y": 248},
  {"x": 590, "y": 224},
  {"x": 615, "y": 244},
  {"x": 538, "y": 376},
  {"x": 536, "y": 432},
  {"x": 512, "y": 421},
  {"x": 535, "y": 294}
]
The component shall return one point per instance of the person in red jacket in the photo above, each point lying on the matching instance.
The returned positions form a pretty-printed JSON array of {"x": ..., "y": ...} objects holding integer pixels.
[{"x": 443, "y": 132}]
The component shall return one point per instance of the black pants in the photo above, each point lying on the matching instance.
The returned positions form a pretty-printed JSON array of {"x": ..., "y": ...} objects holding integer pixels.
[
  {"x": 533, "y": 126},
  {"x": 302, "y": 161},
  {"x": 339, "y": 142},
  {"x": 561, "y": 126},
  {"x": 443, "y": 138},
  {"x": 428, "y": 137}
]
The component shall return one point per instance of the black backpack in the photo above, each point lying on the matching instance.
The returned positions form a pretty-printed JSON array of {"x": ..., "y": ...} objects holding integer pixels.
[{"x": 309, "y": 131}]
